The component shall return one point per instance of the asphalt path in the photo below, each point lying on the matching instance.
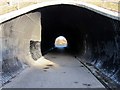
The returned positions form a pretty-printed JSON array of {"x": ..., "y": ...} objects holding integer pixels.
[{"x": 55, "y": 70}]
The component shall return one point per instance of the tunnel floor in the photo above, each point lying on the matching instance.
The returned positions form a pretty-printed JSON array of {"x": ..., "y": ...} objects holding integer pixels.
[{"x": 55, "y": 70}]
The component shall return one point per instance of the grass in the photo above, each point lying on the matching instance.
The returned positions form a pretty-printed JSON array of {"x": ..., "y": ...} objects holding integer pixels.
[
  {"x": 6, "y": 9},
  {"x": 108, "y": 4},
  {"x": 105, "y": 4}
]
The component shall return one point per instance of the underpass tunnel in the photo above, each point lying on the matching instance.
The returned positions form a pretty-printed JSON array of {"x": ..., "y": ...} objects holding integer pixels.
[
  {"x": 61, "y": 20},
  {"x": 90, "y": 36}
]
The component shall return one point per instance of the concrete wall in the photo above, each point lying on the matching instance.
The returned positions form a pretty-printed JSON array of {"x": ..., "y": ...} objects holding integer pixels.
[
  {"x": 15, "y": 37},
  {"x": 102, "y": 48},
  {"x": 0, "y": 56}
]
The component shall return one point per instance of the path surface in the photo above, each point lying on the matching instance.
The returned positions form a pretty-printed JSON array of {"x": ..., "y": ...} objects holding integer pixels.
[{"x": 55, "y": 71}]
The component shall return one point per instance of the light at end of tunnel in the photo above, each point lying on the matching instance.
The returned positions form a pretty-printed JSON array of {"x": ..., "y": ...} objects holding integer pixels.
[{"x": 61, "y": 42}]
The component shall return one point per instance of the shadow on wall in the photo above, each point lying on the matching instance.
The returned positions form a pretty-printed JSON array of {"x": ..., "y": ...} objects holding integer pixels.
[{"x": 35, "y": 49}]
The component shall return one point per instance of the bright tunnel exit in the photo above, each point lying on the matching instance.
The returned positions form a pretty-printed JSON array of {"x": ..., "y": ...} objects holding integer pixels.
[{"x": 61, "y": 42}]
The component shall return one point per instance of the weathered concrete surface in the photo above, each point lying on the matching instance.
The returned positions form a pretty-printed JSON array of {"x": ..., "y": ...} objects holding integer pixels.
[
  {"x": 0, "y": 57},
  {"x": 15, "y": 39},
  {"x": 35, "y": 49},
  {"x": 104, "y": 52},
  {"x": 55, "y": 70}
]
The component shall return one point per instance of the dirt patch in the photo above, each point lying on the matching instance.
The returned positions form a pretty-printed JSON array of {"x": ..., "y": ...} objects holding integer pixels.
[
  {"x": 81, "y": 66},
  {"x": 46, "y": 68},
  {"x": 87, "y": 84},
  {"x": 53, "y": 57},
  {"x": 49, "y": 65},
  {"x": 64, "y": 72},
  {"x": 75, "y": 82}
]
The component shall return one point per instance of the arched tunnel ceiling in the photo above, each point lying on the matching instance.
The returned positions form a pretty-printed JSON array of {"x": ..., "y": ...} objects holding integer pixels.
[{"x": 74, "y": 23}]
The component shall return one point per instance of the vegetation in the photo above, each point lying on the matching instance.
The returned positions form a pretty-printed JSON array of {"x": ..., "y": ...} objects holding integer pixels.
[{"x": 6, "y": 6}]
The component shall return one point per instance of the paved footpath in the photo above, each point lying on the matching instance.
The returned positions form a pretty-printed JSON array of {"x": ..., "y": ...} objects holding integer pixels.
[{"x": 55, "y": 70}]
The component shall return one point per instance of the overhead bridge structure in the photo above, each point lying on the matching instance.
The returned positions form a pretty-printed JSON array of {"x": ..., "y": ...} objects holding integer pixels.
[{"x": 92, "y": 33}]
